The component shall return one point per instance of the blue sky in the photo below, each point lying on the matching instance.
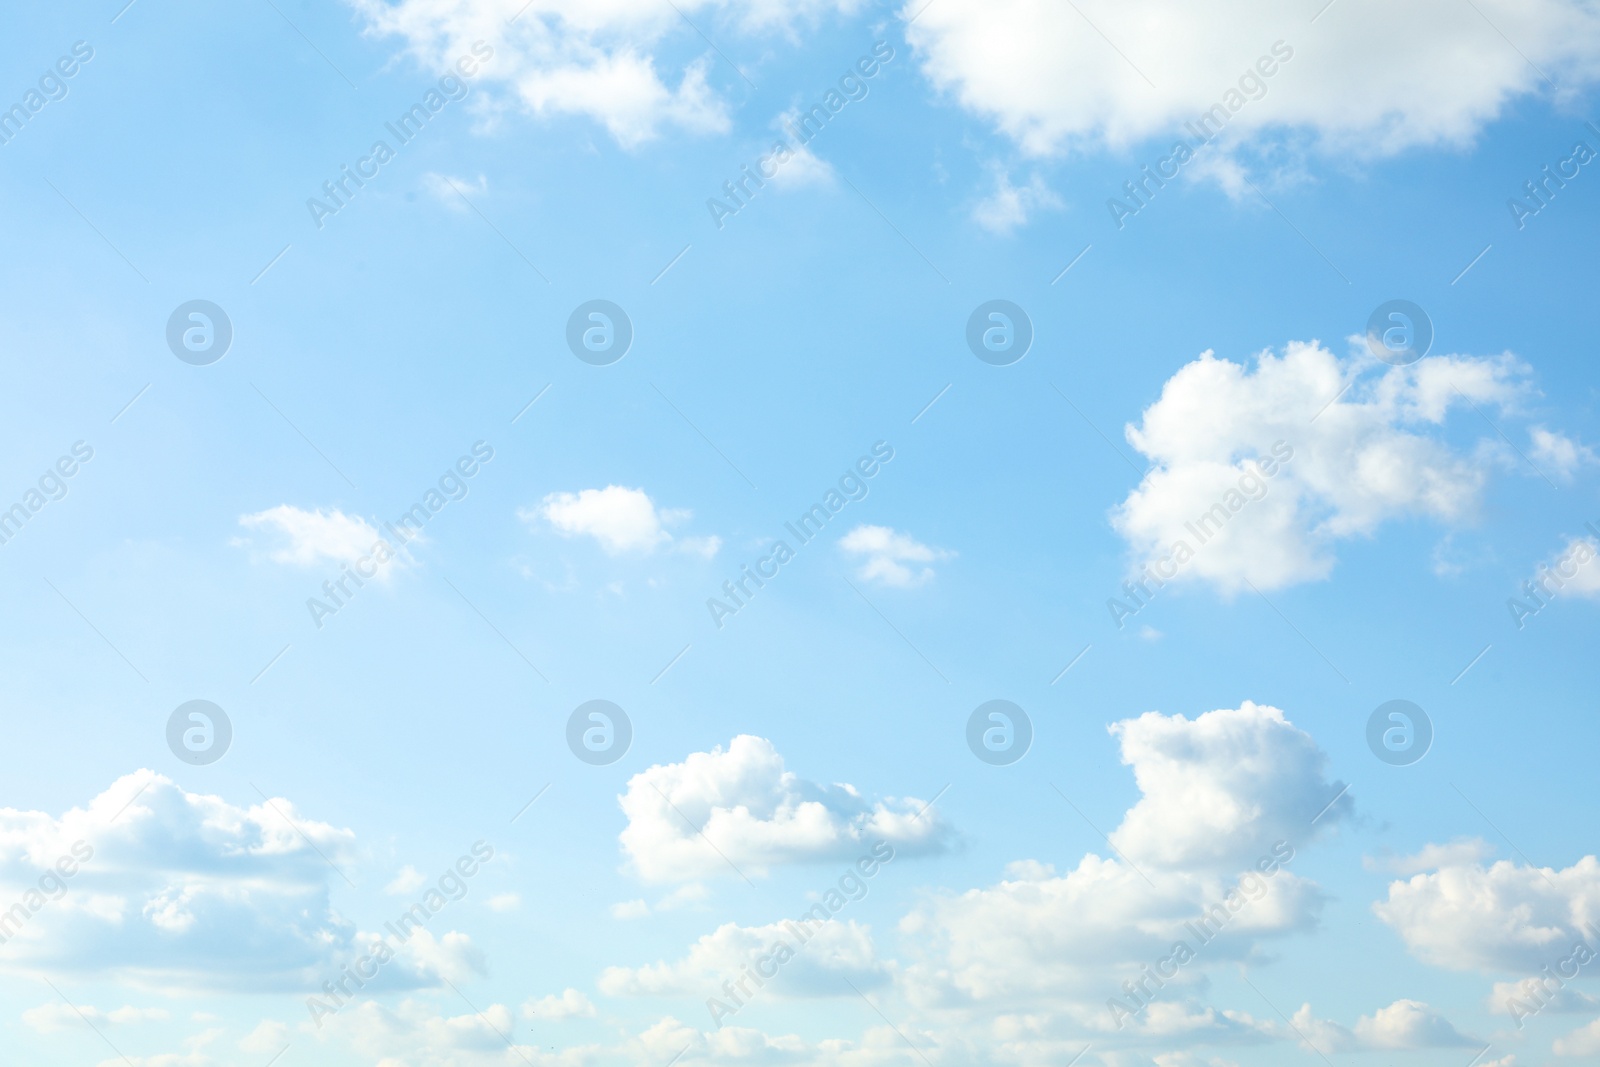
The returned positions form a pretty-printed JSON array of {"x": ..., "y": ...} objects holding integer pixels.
[{"x": 425, "y": 323}]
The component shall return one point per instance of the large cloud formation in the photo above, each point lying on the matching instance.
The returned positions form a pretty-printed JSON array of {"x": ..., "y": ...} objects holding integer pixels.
[
  {"x": 1226, "y": 795},
  {"x": 183, "y": 890},
  {"x": 1366, "y": 79},
  {"x": 1260, "y": 472}
]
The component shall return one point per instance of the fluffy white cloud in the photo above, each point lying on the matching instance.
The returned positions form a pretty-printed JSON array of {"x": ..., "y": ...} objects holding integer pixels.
[
  {"x": 1557, "y": 453},
  {"x": 622, "y": 520},
  {"x": 740, "y": 806},
  {"x": 1008, "y": 206},
  {"x": 835, "y": 952},
  {"x": 1342, "y": 461},
  {"x": 596, "y": 58},
  {"x": 1405, "y": 1024},
  {"x": 571, "y": 1004},
  {"x": 1409, "y": 1024},
  {"x": 181, "y": 890},
  {"x": 1584, "y": 1041},
  {"x": 1218, "y": 790},
  {"x": 306, "y": 538},
  {"x": 1225, "y": 795},
  {"x": 1366, "y": 80},
  {"x": 1501, "y": 918},
  {"x": 887, "y": 553}
]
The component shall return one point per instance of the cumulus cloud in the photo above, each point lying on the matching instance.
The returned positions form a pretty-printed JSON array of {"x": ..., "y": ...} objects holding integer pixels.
[
  {"x": 571, "y": 1004},
  {"x": 1228, "y": 800},
  {"x": 1557, "y": 453},
  {"x": 740, "y": 806},
  {"x": 886, "y": 554},
  {"x": 181, "y": 890},
  {"x": 306, "y": 538},
  {"x": 1503, "y": 918},
  {"x": 1100, "y": 75},
  {"x": 1584, "y": 1041},
  {"x": 1260, "y": 473},
  {"x": 597, "y": 60},
  {"x": 622, "y": 520},
  {"x": 1405, "y": 1024},
  {"x": 1216, "y": 789},
  {"x": 836, "y": 952}
]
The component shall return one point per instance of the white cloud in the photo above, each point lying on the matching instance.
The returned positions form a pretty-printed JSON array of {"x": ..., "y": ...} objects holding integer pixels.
[
  {"x": 1342, "y": 462},
  {"x": 407, "y": 881},
  {"x": 1558, "y": 453},
  {"x": 630, "y": 909},
  {"x": 1008, "y": 206},
  {"x": 269, "y": 1036},
  {"x": 887, "y": 552},
  {"x": 1221, "y": 794},
  {"x": 55, "y": 1016},
  {"x": 622, "y": 520},
  {"x": 1409, "y": 1024},
  {"x": 836, "y": 952},
  {"x": 504, "y": 902},
  {"x": 1504, "y": 918},
  {"x": 595, "y": 59},
  {"x": 449, "y": 189},
  {"x": 309, "y": 537},
  {"x": 1537, "y": 995},
  {"x": 1572, "y": 571},
  {"x": 1219, "y": 789},
  {"x": 571, "y": 1004},
  {"x": 1584, "y": 1041},
  {"x": 740, "y": 806},
  {"x": 1067, "y": 77},
  {"x": 180, "y": 890}
]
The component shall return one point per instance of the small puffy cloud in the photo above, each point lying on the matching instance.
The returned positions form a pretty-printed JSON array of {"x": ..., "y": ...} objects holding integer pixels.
[
  {"x": 409, "y": 880},
  {"x": 886, "y": 554},
  {"x": 1504, "y": 918},
  {"x": 1009, "y": 206},
  {"x": 832, "y": 953},
  {"x": 307, "y": 538},
  {"x": 1557, "y": 453},
  {"x": 1100, "y": 76},
  {"x": 630, "y": 909},
  {"x": 1409, "y": 1024},
  {"x": 797, "y": 167},
  {"x": 1572, "y": 572},
  {"x": 449, "y": 189},
  {"x": 1405, "y": 1024},
  {"x": 571, "y": 1004},
  {"x": 622, "y": 520},
  {"x": 1535, "y": 995},
  {"x": 504, "y": 902},
  {"x": 1258, "y": 473},
  {"x": 740, "y": 806}
]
